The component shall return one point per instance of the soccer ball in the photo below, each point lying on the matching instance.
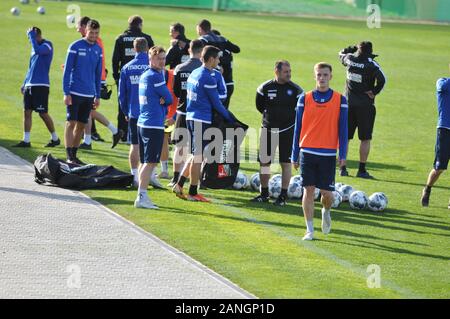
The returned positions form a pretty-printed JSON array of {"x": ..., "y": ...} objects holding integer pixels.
[
  {"x": 275, "y": 186},
  {"x": 41, "y": 10},
  {"x": 377, "y": 202},
  {"x": 316, "y": 193},
  {"x": 346, "y": 191},
  {"x": 337, "y": 199},
  {"x": 255, "y": 182},
  {"x": 241, "y": 181},
  {"x": 337, "y": 186},
  {"x": 295, "y": 189},
  {"x": 24, "y": 1},
  {"x": 15, "y": 11},
  {"x": 297, "y": 178},
  {"x": 358, "y": 200},
  {"x": 70, "y": 19}
]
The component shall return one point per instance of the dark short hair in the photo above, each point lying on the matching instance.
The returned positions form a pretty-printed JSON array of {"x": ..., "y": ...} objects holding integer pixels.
[
  {"x": 280, "y": 63},
  {"x": 83, "y": 21},
  {"x": 177, "y": 26},
  {"x": 209, "y": 52},
  {"x": 37, "y": 30},
  {"x": 196, "y": 46},
  {"x": 365, "y": 47},
  {"x": 205, "y": 25},
  {"x": 93, "y": 25},
  {"x": 135, "y": 21},
  {"x": 323, "y": 65}
]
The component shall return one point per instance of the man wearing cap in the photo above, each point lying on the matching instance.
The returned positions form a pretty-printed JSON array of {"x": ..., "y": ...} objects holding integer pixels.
[{"x": 365, "y": 80}]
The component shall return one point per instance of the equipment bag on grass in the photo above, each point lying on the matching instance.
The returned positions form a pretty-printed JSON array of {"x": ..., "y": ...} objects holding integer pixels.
[
  {"x": 222, "y": 173},
  {"x": 57, "y": 172}
]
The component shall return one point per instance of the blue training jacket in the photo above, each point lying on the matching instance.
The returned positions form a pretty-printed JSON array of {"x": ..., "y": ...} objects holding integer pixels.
[
  {"x": 40, "y": 61},
  {"x": 129, "y": 84},
  {"x": 443, "y": 98},
  {"x": 320, "y": 97},
  {"x": 152, "y": 87},
  {"x": 83, "y": 69},
  {"x": 203, "y": 97}
]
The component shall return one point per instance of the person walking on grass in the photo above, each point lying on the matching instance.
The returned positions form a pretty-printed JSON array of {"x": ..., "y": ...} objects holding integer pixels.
[{"x": 320, "y": 129}]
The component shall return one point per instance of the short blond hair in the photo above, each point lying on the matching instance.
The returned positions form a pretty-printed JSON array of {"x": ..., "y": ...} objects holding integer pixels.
[
  {"x": 155, "y": 50},
  {"x": 323, "y": 65}
]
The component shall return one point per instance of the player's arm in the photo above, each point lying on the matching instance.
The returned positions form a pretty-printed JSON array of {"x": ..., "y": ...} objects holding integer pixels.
[
  {"x": 260, "y": 99},
  {"x": 116, "y": 60},
  {"x": 213, "y": 96},
  {"x": 176, "y": 83},
  {"x": 150, "y": 41},
  {"x": 443, "y": 85},
  {"x": 68, "y": 67},
  {"x": 343, "y": 130},
  {"x": 123, "y": 92},
  {"x": 40, "y": 49},
  {"x": 297, "y": 130},
  {"x": 161, "y": 89},
  {"x": 380, "y": 79},
  {"x": 221, "y": 87},
  {"x": 232, "y": 47},
  {"x": 345, "y": 52},
  {"x": 173, "y": 53}
]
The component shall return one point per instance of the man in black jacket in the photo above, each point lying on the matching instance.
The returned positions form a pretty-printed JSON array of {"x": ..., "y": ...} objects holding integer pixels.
[
  {"x": 226, "y": 61},
  {"x": 277, "y": 99},
  {"x": 179, "y": 46},
  {"x": 124, "y": 53},
  {"x": 365, "y": 80}
]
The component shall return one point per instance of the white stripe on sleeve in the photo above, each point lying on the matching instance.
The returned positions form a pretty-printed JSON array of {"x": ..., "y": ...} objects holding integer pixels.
[
  {"x": 159, "y": 84},
  {"x": 210, "y": 86}
]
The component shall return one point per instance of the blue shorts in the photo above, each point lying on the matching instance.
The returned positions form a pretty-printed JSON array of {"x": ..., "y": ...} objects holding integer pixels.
[
  {"x": 318, "y": 171},
  {"x": 197, "y": 132},
  {"x": 150, "y": 144},
  {"x": 81, "y": 108},
  {"x": 133, "y": 135},
  {"x": 442, "y": 149}
]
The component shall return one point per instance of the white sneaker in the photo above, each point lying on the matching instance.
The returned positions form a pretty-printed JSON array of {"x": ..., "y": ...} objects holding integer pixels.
[
  {"x": 144, "y": 202},
  {"x": 326, "y": 221},
  {"x": 308, "y": 236},
  {"x": 156, "y": 183}
]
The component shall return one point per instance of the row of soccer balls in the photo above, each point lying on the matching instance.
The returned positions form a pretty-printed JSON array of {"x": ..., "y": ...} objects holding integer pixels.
[
  {"x": 16, "y": 11},
  {"x": 343, "y": 193}
]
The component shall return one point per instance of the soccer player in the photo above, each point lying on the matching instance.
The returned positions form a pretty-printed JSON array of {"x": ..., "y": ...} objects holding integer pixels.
[
  {"x": 202, "y": 98},
  {"x": 365, "y": 80},
  {"x": 90, "y": 132},
  {"x": 81, "y": 86},
  {"x": 204, "y": 30},
  {"x": 129, "y": 98},
  {"x": 124, "y": 53},
  {"x": 154, "y": 98},
  {"x": 320, "y": 128},
  {"x": 35, "y": 87},
  {"x": 442, "y": 148},
  {"x": 276, "y": 99},
  {"x": 179, "y": 51}
]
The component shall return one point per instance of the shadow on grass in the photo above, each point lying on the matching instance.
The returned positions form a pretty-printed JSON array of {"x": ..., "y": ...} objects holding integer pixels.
[{"x": 352, "y": 164}]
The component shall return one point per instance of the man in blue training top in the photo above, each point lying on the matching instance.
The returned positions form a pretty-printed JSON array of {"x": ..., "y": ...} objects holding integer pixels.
[
  {"x": 129, "y": 98},
  {"x": 36, "y": 86},
  {"x": 81, "y": 86},
  {"x": 442, "y": 148},
  {"x": 202, "y": 99},
  {"x": 321, "y": 127},
  {"x": 154, "y": 98}
]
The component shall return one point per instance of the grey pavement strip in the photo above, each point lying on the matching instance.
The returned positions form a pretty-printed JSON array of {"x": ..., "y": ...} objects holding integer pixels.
[{"x": 58, "y": 243}]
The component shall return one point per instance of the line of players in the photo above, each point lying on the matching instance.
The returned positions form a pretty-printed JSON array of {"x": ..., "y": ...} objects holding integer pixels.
[{"x": 310, "y": 126}]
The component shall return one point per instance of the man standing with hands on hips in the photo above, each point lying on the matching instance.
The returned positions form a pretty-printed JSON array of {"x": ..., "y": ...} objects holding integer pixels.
[{"x": 320, "y": 128}]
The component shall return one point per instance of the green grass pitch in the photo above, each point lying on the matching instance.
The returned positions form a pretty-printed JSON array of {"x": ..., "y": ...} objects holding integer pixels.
[{"x": 259, "y": 247}]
